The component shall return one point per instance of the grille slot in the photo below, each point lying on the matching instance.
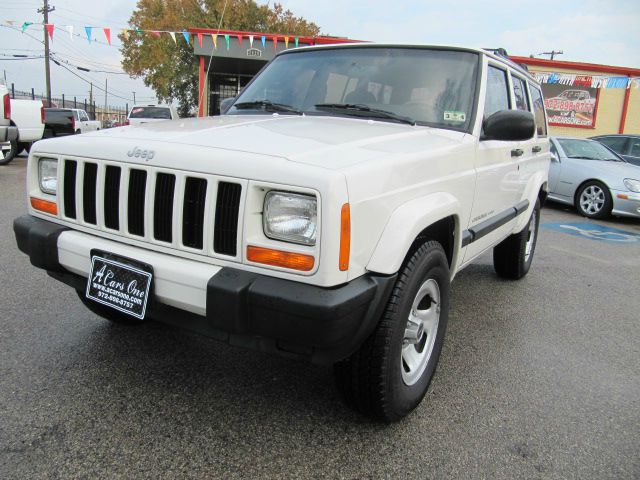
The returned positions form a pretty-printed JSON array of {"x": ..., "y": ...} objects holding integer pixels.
[
  {"x": 89, "y": 192},
  {"x": 226, "y": 222},
  {"x": 112, "y": 197},
  {"x": 195, "y": 193},
  {"x": 135, "y": 207},
  {"x": 163, "y": 207},
  {"x": 70, "y": 170}
]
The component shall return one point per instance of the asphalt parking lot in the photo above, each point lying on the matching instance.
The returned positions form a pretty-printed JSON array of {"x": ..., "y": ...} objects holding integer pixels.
[{"x": 538, "y": 379}]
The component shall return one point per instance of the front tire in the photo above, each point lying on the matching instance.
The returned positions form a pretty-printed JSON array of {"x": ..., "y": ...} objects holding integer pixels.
[
  {"x": 593, "y": 200},
  {"x": 513, "y": 256},
  {"x": 390, "y": 374}
]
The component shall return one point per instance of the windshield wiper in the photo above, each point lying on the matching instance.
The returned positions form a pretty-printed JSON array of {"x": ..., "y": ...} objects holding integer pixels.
[
  {"x": 584, "y": 157},
  {"x": 363, "y": 111},
  {"x": 268, "y": 106}
]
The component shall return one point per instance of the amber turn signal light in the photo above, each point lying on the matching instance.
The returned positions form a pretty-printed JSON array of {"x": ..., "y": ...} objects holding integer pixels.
[
  {"x": 44, "y": 206},
  {"x": 278, "y": 258},
  {"x": 345, "y": 237}
]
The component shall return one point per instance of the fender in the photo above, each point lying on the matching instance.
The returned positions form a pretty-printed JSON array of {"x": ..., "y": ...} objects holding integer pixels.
[
  {"x": 404, "y": 225},
  {"x": 537, "y": 181}
]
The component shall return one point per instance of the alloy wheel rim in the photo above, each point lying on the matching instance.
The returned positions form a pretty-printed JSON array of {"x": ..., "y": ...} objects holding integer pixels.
[
  {"x": 531, "y": 235},
  {"x": 592, "y": 199},
  {"x": 420, "y": 332}
]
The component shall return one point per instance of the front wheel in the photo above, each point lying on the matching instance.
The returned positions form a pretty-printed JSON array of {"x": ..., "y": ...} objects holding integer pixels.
[
  {"x": 391, "y": 372},
  {"x": 513, "y": 256},
  {"x": 593, "y": 200},
  {"x": 9, "y": 151}
]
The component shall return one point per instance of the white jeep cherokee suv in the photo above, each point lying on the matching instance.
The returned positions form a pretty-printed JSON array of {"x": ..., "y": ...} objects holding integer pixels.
[{"x": 323, "y": 217}]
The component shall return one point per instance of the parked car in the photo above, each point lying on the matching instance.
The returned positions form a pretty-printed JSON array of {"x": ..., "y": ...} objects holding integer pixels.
[
  {"x": 82, "y": 122},
  {"x": 151, "y": 113},
  {"x": 322, "y": 218},
  {"x": 627, "y": 146},
  {"x": 594, "y": 179},
  {"x": 8, "y": 130},
  {"x": 28, "y": 116}
]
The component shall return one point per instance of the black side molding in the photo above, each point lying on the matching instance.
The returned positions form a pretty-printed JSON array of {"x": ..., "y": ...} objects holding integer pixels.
[{"x": 489, "y": 225}]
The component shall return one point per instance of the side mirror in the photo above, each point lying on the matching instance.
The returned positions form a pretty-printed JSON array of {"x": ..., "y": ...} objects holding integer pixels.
[
  {"x": 225, "y": 104},
  {"x": 509, "y": 125}
]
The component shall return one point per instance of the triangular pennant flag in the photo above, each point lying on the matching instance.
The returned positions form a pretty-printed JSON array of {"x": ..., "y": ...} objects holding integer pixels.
[
  {"x": 200, "y": 39},
  {"x": 107, "y": 34},
  {"x": 286, "y": 42},
  {"x": 70, "y": 30},
  {"x": 264, "y": 42},
  {"x": 173, "y": 36},
  {"x": 49, "y": 27},
  {"x": 226, "y": 39},
  {"x": 275, "y": 43},
  {"x": 139, "y": 31},
  {"x": 125, "y": 33},
  {"x": 296, "y": 42},
  {"x": 25, "y": 25},
  {"x": 155, "y": 33},
  {"x": 186, "y": 36},
  {"x": 214, "y": 39},
  {"x": 88, "y": 30},
  {"x": 251, "y": 40},
  {"x": 239, "y": 40}
]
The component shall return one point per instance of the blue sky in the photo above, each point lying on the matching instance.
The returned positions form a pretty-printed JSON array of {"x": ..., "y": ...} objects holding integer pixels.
[{"x": 593, "y": 31}]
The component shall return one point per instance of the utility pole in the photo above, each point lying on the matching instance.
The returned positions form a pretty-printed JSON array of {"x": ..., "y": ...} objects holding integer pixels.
[
  {"x": 105, "y": 95},
  {"x": 134, "y": 97},
  {"x": 553, "y": 53},
  {"x": 45, "y": 10},
  {"x": 91, "y": 97}
]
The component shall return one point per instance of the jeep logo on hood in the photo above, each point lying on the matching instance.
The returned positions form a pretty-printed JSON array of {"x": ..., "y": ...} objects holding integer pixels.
[{"x": 138, "y": 153}]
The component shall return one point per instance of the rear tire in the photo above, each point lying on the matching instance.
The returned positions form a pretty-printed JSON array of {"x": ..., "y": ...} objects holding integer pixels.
[
  {"x": 513, "y": 256},
  {"x": 108, "y": 313},
  {"x": 9, "y": 151},
  {"x": 390, "y": 374}
]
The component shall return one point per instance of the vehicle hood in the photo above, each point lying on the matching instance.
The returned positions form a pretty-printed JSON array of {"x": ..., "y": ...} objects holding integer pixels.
[{"x": 324, "y": 141}]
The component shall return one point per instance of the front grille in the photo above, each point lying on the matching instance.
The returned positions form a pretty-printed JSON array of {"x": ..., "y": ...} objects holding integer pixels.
[
  {"x": 143, "y": 202},
  {"x": 226, "y": 223},
  {"x": 70, "y": 170}
]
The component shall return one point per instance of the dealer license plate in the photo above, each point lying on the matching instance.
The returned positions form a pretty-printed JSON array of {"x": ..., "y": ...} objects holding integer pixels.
[{"x": 119, "y": 283}]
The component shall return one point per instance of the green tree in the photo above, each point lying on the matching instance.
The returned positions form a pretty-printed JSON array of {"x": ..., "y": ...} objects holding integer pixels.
[{"x": 169, "y": 68}]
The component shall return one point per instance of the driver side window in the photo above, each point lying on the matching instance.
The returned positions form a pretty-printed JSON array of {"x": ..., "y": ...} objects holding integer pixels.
[{"x": 497, "y": 91}]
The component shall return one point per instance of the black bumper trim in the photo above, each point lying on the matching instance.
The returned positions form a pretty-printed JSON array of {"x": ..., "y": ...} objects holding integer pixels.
[{"x": 323, "y": 325}]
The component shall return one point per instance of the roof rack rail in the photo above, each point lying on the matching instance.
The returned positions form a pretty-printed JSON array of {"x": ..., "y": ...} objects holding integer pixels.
[{"x": 501, "y": 52}]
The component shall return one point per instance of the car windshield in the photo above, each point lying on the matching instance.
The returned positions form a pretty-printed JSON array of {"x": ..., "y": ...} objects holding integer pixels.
[
  {"x": 587, "y": 149},
  {"x": 150, "y": 112},
  {"x": 408, "y": 85}
]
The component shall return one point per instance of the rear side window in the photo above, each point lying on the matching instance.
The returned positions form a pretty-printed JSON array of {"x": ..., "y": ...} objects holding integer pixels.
[
  {"x": 497, "y": 92},
  {"x": 150, "y": 112},
  {"x": 635, "y": 147},
  {"x": 538, "y": 110},
  {"x": 616, "y": 144},
  {"x": 520, "y": 94}
]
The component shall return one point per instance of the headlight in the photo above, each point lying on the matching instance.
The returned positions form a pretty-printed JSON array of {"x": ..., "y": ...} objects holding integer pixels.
[
  {"x": 291, "y": 217},
  {"x": 48, "y": 175},
  {"x": 633, "y": 185}
]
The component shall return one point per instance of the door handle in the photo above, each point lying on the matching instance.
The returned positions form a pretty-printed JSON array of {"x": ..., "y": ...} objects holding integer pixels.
[
  {"x": 536, "y": 149},
  {"x": 516, "y": 152}
]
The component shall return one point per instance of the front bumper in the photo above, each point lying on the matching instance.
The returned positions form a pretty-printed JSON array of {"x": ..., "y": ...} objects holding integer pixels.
[
  {"x": 242, "y": 308},
  {"x": 626, "y": 204},
  {"x": 8, "y": 134}
]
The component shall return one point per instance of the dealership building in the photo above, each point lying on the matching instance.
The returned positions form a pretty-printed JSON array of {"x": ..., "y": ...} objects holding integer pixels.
[{"x": 582, "y": 99}]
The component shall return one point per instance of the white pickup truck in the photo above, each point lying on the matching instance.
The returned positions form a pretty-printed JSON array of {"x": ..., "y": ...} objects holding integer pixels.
[
  {"x": 82, "y": 122},
  {"x": 8, "y": 130},
  {"x": 323, "y": 217}
]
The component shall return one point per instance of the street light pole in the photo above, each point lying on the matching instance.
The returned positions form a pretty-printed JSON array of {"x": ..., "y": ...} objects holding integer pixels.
[{"x": 45, "y": 10}]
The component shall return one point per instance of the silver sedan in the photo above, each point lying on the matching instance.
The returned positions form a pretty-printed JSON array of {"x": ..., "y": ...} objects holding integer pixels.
[{"x": 595, "y": 180}]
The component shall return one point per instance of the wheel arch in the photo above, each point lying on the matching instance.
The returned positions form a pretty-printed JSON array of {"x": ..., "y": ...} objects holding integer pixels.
[
  {"x": 583, "y": 183},
  {"x": 434, "y": 217}
]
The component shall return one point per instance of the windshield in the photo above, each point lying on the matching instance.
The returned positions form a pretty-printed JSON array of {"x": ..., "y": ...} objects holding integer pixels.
[
  {"x": 428, "y": 87},
  {"x": 150, "y": 112},
  {"x": 587, "y": 149}
]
